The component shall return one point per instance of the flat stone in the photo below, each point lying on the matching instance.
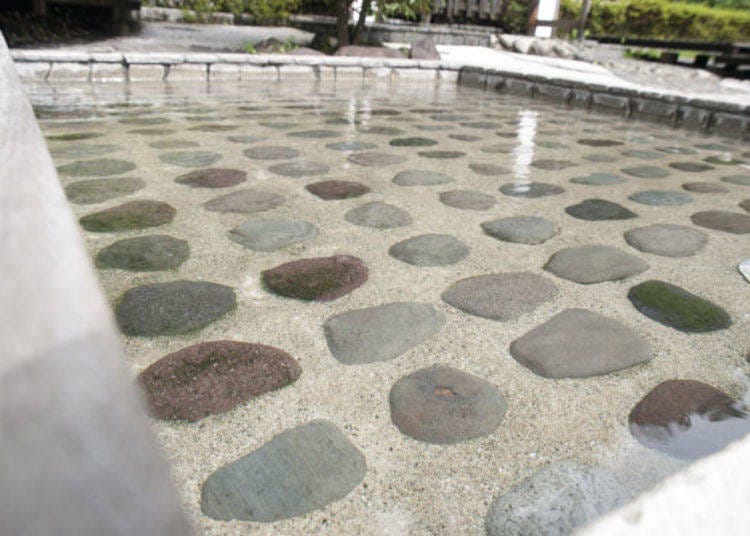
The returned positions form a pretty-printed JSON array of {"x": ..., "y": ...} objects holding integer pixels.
[
  {"x": 599, "y": 142},
  {"x": 172, "y": 308},
  {"x": 667, "y": 240},
  {"x": 661, "y": 198},
  {"x": 380, "y": 333},
  {"x": 375, "y": 159},
  {"x": 600, "y": 157},
  {"x": 153, "y": 131},
  {"x": 705, "y": 188},
  {"x": 244, "y": 139},
  {"x": 214, "y": 377},
  {"x": 271, "y": 152},
  {"x": 430, "y": 250},
  {"x": 677, "y": 308},
  {"x": 378, "y": 215},
  {"x": 577, "y": 344},
  {"x": 173, "y": 144},
  {"x": 467, "y": 200},
  {"x": 599, "y": 210},
  {"x": 314, "y": 134},
  {"x": 299, "y": 168},
  {"x": 482, "y": 125},
  {"x": 318, "y": 279},
  {"x": 741, "y": 180},
  {"x": 211, "y": 127},
  {"x": 594, "y": 264},
  {"x": 676, "y": 149},
  {"x": 714, "y": 146},
  {"x": 555, "y": 501},
  {"x": 245, "y": 202},
  {"x": 412, "y": 142},
  {"x": 270, "y": 235},
  {"x": 190, "y": 159},
  {"x": 98, "y": 190},
  {"x": 598, "y": 179},
  {"x": 101, "y": 167},
  {"x": 444, "y": 405},
  {"x": 128, "y": 216},
  {"x": 550, "y": 164},
  {"x": 464, "y": 137},
  {"x": 417, "y": 177},
  {"x": 351, "y": 146},
  {"x": 498, "y": 148},
  {"x": 330, "y": 190},
  {"x": 692, "y": 167},
  {"x": 720, "y": 220},
  {"x": 521, "y": 229},
  {"x": 82, "y": 150},
  {"x": 530, "y": 190},
  {"x": 502, "y": 297},
  {"x": 723, "y": 160},
  {"x": 299, "y": 471},
  {"x": 144, "y": 254},
  {"x": 381, "y": 130},
  {"x": 488, "y": 170},
  {"x": 441, "y": 154},
  {"x": 643, "y": 154},
  {"x": 75, "y": 136},
  {"x": 646, "y": 172},
  {"x": 144, "y": 121},
  {"x": 212, "y": 178}
]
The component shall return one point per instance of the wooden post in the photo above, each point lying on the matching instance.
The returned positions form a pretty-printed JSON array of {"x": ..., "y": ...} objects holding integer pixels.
[{"x": 582, "y": 22}]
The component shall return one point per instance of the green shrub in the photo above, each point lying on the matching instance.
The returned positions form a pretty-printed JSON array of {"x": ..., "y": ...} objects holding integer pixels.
[{"x": 264, "y": 11}]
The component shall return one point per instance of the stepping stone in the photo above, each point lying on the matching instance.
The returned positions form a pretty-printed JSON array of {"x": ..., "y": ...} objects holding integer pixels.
[
  {"x": 598, "y": 179},
  {"x": 502, "y": 297},
  {"x": 642, "y": 154},
  {"x": 144, "y": 121},
  {"x": 190, "y": 159},
  {"x": 600, "y": 142},
  {"x": 299, "y": 168},
  {"x": 129, "y": 216},
  {"x": 467, "y": 200},
  {"x": 744, "y": 269},
  {"x": 705, "y": 188},
  {"x": 715, "y": 147},
  {"x": 212, "y": 178},
  {"x": 98, "y": 190},
  {"x": 530, "y": 190},
  {"x": 720, "y": 220},
  {"x": 374, "y": 159},
  {"x": 101, "y": 167},
  {"x": 351, "y": 146},
  {"x": 600, "y": 158},
  {"x": 214, "y": 377},
  {"x": 549, "y": 164},
  {"x": 153, "y": 131},
  {"x": 314, "y": 134},
  {"x": 741, "y": 180},
  {"x": 692, "y": 167},
  {"x": 82, "y": 150},
  {"x": 412, "y": 142},
  {"x": 380, "y": 333},
  {"x": 382, "y": 131},
  {"x": 444, "y": 405},
  {"x": 464, "y": 137},
  {"x": 318, "y": 279},
  {"x": 646, "y": 172},
  {"x": 244, "y": 139},
  {"x": 299, "y": 471},
  {"x": 578, "y": 344},
  {"x": 144, "y": 254},
  {"x": 378, "y": 215},
  {"x": 271, "y": 152},
  {"x": 330, "y": 190},
  {"x": 745, "y": 205},
  {"x": 488, "y": 170},
  {"x": 521, "y": 229},
  {"x": 498, "y": 148},
  {"x": 664, "y": 418},
  {"x": 482, "y": 125},
  {"x": 173, "y": 144},
  {"x": 555, "y": 501},
  {"x": 212, "y": 128},
  {"x": 667, "y": 240},
  {"x": 172, "y": 308},
  {"x": 677, "y": 308},
  {"x": 599, "y": 210},
  {"x": 75, "y": 136},
  {"x": 675, "y": 149},
  {"x": 723, "y": 160},
  {"x": 417, "y": 177},
  {"x": 441, "y": 154},
  {"x": 549, "y": 144},
  {"x": 430, "y": 250},
  {"x": 270, "y": 235},
  {"x": 245, "y": 202},
  {"x": 661, "y": 198},
  {"x": 594, "y": 264}
]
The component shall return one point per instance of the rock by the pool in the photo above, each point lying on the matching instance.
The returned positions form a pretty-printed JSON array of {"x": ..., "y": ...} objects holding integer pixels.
[
  {"x": 599, "y": 210},
  {"x": 380, "y": 333},
  {"x": 467, "y": 200},
  {"x": 270, "y": 235},
  {"x": 677, "y": 308},
  {"x": 271, "y": 152},
  {"x": 317, "y": 279},
  {"x": 245, "y": 202},
  {"x": 375, "y": 159},
  {"x": 333, "y": 190},
  {"x": 423, "y": 48},
  {"x": 721, "y": 220},
  {"x": 299, "y": 168},
  {"x": 172, "y": 308},
  {"x": 594, "y": 264},
  {"x": 128, "y": 216},
  {"x": 378, "y": 215},
  {"x": 300, "y": 470},
  {"x": 577, "y": 344},
  {"x": 646, "y": 172},
  {"x": 556, "y": 500},
  {"x": 667, "y": 240},
  {"x": 91, "y": 191},
  {"x": 661, "y": 198},
  {"x": 102, "y": 167},
  {"x": 212, "y": 178},
  {"x": 190, "y": 159},
  {"x": 598, "y": 179},
  {"x": 144, "y": 254},
  {"x": 444, "y": 405},
  {"x": 521, "y": 229},
  {"x": 430, "y": 250},
  {"x": 705, "y": 188},
  {"x": 418, "y": 177},
  {"x": 503, "y": 297},
  {"x": 214, "y": 377}
]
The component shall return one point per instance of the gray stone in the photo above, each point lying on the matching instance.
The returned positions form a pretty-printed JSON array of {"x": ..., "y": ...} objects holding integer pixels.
[
  {"x": 521, "y": 229},
  {"x": 412, "y": 142},
  {"x": 423, "y": 48},
  {"x": 549, "y": 164},
  {"x": 643, "y": 154},
  {"x": 502, "y": 297},
  {"x": 705, "y": 188},
  {"x": 720, "y": 220},
  {"x": 555, "y": 501},
  {"x": 298, "y": 471},
  {"x": 129, "y": 216},
  {"x": 99, "y": 190},
  {"x": 594, "y": 264},
  {"x": 741, "y": 180},
  {"x": 374, "y": 159},
  {"x": 271, "y": 152},
  {"x": 245, "y": 202},
  {"x": 270, "y": 235},
  {"x": 144, "y": 254},
  {"x": 646, "y": 172},
  {"x": 212, "y": 178},
  {"x": 314, "y": 134},
  {"x": 577, "y": 344},
  {"x": 417, "y": 177},
  {"x": 444, "y": 405},
  {"x": 101, "y": 167},
  {"x": 244, "y": 139},
  {"x": 667, "y": 240},
  {"x": 599, "y": 210},
  {"x": 173, "y": 144},
  {"x": 441, "y": 154},
  {"x": 530, "y": 190},
  {"x": 351, "y": 146},
  {"x": 82, "y": 150},
  {"x": 661, "y": 198},
  {"x": 600, "y": 157},
  {"x": 598, "y": 179},
  {"x": 299, "y": 168},
  {"x": 467, "y": 200},
  {"x": 378, "y": 215},
  {"x": 430, "y": 250},
  {"x": 691, "y": 167},
  {"x": 498, "y": 148},
  {"x": 190, "y": 159},
  {"x": 488, "y": 169},
  {"x": 380, "y": 333}
]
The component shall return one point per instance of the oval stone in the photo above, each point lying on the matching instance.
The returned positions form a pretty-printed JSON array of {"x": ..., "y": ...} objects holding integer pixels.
[
  {"x": 190, "y": 159},
  {"x": 521, "y": 229},
  {"x": 430, "y": 250},
  {"x": 378, "y": 215},
  {"x": 317, "y": 279},
  {"x": 646, "y": 172},
  {"x": 661, "y": 198},
  {"x": 270, "y": 235},
  {"x": 667, "y": 240},
  {"x": 271, "y": 152},
  {"x": 245, "y": 202},
  {"x": 101, "y": 167},
  {"x": 594, "y": 264},
  {"x": 144, "y": 254},
  {"x": 418, "y": 177},
  {"x": 599, "y": 210},
  {"x": 212, "y": 178},
  {"x": 467, "y": 200},
  {"x": 374, "y": 159},
  {"x": 128, "y": 216},
  {"x": 299, "y": 168},
  {"x": 333, "y": 190},
  {"x": 530, "y": 190},
  {"x": 91, "y": 191},
  {"x": 412, "y": 142},
  {"x": 720, "y": 220}
]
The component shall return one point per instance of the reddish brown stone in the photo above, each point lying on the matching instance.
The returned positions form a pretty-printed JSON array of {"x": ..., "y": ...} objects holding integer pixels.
[
  {"x": 337, "y": 189},
  {"x": 318, "y": 279},
  {"x": 212, "y": 178},
  {"x": 214, "y": 377}
]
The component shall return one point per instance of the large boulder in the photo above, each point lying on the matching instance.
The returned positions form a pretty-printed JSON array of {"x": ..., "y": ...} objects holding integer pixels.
[{"x": 424, "y": 49}]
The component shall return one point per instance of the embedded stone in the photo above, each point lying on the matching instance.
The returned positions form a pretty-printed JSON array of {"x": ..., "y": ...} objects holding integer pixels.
[
  {"x": 271, "y": 152},
  {"x": 441, "y": 154},
  {"x": 498, "y": 148},
  {"x": 467, "y": 200},
  {"x": 212, "y": 178},
  {"x": 598, "y": 179},
  {"x": 318, "y": 279},
  {"x": 212, "y": 127},
  {"x": 692, "y": 167},
  {"x": 412, "y": 142},
  {"x": 101, "y": 167},
  {"x": 128, "y": 216},
  {"x": 299, "y": 168},
  {"x": 667, "y": 240},
  {"x": 173, "y": 144},
  {"x": 741, "y": 180},
  {"x": 521, "y": 229},
  {"x": 600, "y": 158},
  {"x": 314, "y": 134},
  {"x": 82, "y": 150},
  {"x": 723, "y": 160},
  {"x": 705, "y": 188},
  {"x": 330, "y": 190},
  {"x": 75, "y": 136},
  {"x": 190, "y": 159},
  {"x": 661, "y": 198},
  {"x": 488, "y": 170},
  {"x": 375, "y": 159},
  {"x": 643, "y": 154},
  {"x": 244, "y": 139},
  {"x": 417, "y": 177},
  {"x": 599, "y": 210},
  {"x": 598, "y": 142},
  {"x": 144, "y": 121},
  {"x": 270, "y": 235},
  {"x": 245, "y": 202},
  {"x": 98, "y": 190},
  {"x": 646, "y": 172},
  {"x": 378, "y": 215},
  {"x": 720, "y": 220},
  {"x": 530, "y": 190},
  {"x": 594, "y": 264},
  {"x": 464, "y": 137},
  {"x": 550, "y": 164},
  {"x": 144, "y": 254},
  {"x": 430, "y": 250},
  {"x": 351, "y": 146}
]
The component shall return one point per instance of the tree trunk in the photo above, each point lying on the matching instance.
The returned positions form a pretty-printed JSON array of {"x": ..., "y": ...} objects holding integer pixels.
[
  {"x": 357, "y": 34},
  {"x": 342, "y": 22},
  {"x": 582, "y": 22}
]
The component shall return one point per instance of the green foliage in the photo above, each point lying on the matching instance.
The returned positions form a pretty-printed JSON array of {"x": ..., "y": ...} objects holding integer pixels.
[
  {"x": 264, "y": 11},
  {"x": 406, "y": 9},
  {"x": 661, "y": 19},
  {"x": 250, "y": 49}
]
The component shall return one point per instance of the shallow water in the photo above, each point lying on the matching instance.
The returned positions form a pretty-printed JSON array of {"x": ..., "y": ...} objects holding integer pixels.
[{"x": 519, "y": 158}]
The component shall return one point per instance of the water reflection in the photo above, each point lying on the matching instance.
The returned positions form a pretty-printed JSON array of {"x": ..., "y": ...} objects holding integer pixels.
[{"x": 523, "y": 152}]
